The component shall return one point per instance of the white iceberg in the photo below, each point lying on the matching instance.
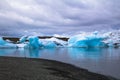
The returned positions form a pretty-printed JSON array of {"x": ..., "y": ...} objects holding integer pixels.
[
  {"x": 53, "y": 42},
  {"x": 56, "y": 41},
  {"x": 113, "y": 38},
  {"x": 21, "y": 45}
]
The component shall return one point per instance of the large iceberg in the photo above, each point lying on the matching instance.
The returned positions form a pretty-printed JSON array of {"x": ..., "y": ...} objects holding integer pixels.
[
  {"x": 33, "y": 43},
  {"x": 93, "y": 40}
]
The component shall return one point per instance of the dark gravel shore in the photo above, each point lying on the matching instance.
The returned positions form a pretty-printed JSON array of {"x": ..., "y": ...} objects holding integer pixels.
[{"x": 40, "y": 69}]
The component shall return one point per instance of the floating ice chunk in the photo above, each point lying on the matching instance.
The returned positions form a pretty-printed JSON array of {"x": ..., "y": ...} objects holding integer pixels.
[
  {"x": 22, "y": 45},
  {"x": 23, "y": 39},
  {"x": 49, "y": 44},
  {"x": 4, "y": 44},
  {"x": 93, "y": 40},
  {"x": 113, "y": 38},
  {"x": 34, "y": 42},
  {"x": 110, "y": 44},
  {"x": 56, "y": 41},
  {"x": 61, "y": 36},
  {"x": 9, "y": 45},
  {"x": 9, "y": 41}
]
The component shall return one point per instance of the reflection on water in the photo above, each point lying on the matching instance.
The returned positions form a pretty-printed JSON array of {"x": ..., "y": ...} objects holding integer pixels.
[
  {"x": 82, "y": 53},
  {"x": 105, "y": 61},
  {"x": 5, "y": 52}
]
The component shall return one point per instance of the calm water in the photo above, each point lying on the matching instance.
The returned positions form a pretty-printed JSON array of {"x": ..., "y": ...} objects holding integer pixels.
[{"x": 104, "y": 61}]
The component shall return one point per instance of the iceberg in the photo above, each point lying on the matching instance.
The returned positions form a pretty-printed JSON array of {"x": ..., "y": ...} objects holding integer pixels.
[
  {"x": 49, "y": 44},
  {"x": 5, "y": 44},
  {"x": 53, "y": 42},
  {"x": 23, "y": 39},
  {"x": 113, "y": 38},
  {"x": 22, "y": 42},
  {"x": 58, "y": 42},
  {"x": 93, "y": 40},
  {"x": 33, "y": 43},
  {"x": 21, "y": 45},
  {"x": 2, "y": 42},
  {"x": 83, "y": 39}
]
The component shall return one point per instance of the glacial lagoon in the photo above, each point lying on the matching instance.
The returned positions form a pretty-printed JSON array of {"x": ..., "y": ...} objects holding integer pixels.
[{"x": 99, "y": 60}]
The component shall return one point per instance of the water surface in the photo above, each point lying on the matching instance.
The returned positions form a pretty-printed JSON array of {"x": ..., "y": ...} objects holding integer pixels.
[{"x": 104, "y": 61}]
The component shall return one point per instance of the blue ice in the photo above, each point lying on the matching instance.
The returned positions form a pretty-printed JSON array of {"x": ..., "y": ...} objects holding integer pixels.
[
  {"x": 93, "y": 40},
  {"x": 34, "y": 42}
]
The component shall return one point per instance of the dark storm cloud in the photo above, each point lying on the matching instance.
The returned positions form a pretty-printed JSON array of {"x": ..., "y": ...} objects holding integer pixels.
[{"x": 57, "y": 16}]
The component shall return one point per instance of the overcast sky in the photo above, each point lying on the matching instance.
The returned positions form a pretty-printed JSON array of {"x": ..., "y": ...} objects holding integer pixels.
[{"x": 57, "y": 16}]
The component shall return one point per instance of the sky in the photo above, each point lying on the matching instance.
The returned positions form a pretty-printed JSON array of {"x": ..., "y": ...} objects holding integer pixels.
[{"x": 48, "y": 17}]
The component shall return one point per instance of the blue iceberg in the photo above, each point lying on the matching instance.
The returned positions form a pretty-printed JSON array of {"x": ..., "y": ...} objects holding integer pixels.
[
  {"x": 23, "y": 39},
  {"x": 5, "y": 44},
  {"x": 93, "y": 40},
  {"x": 34, "y": 42},
  {"x": 49, "y": 44}
]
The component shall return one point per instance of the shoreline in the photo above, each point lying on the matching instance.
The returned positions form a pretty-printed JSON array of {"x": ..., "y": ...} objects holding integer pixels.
[{"x": 16, "y": 68}]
